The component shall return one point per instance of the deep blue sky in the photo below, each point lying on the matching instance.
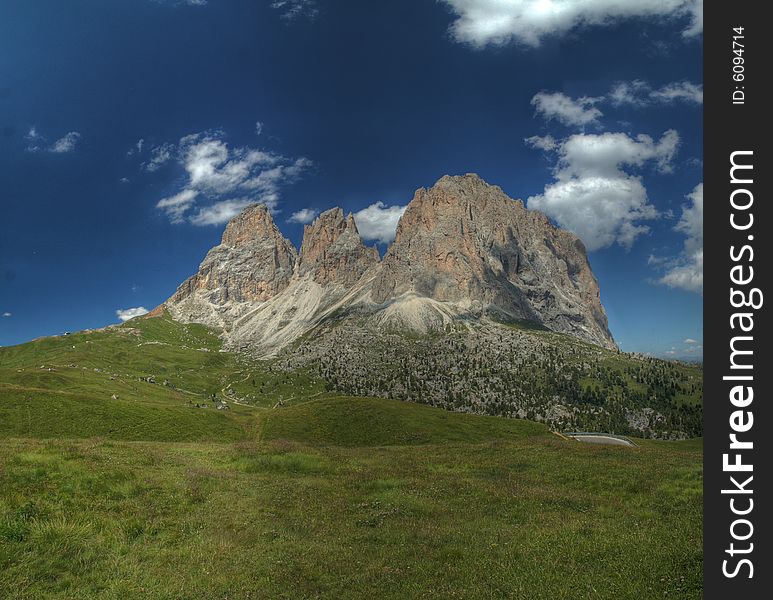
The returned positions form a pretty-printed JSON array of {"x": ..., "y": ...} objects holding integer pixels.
[{"x": 379, "y": 96}]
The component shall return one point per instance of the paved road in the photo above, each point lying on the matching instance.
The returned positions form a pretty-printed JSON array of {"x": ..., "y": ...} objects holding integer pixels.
[{"x": 602, "y": 439}]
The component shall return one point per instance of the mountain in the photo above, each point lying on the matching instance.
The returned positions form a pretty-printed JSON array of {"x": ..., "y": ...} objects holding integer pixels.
[
  {"x": 479, "y": 305},
  {"x": 464, "y": 252}
]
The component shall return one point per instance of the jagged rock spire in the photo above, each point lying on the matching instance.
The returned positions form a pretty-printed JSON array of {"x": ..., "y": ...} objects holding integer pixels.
[{"x": 332, "y": 250}]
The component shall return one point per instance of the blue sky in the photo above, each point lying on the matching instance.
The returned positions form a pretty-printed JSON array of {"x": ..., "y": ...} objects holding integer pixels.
[{"x": 131, "y": 129}]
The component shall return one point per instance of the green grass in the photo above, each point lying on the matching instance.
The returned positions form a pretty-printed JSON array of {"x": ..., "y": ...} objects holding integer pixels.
[
  {"x": 323, "y": 496},
  {"x": 65, "y": 386},
  {"x": 346, "y": 421},
  {"x": 532, "y": 517}
]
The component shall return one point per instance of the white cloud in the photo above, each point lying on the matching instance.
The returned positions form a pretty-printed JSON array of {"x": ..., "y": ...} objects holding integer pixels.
[
  {"x": 691, "y": 341},
  {"x": 159, "y": 156},
  {"x": 176, "y": 206},
  {"x": 137, "y": 148},
  {"x": 686, "y": 271},
  {"x": 305, "y": 215},
  {"x": 258, "y": 127},
  {"x": 546, "y": 143},
  {"x": 593, "y": 196},
  {"x": 228, "y": 178},
  {"x": 220, "y": 212},
  {"x": 292, "y": 9},
  {"x": 378, "y": 222},
  {"x": 498, "y": 22},
  {"x": 566, "y": 110},
  {"x": 7, "y": 314},
  {"x": 634, "y": 93},
  {"x": 37, "y": 142},
  {"x": 34, "y": 139},
  {"x": 66, "y": 143},
  {"x": 129, "y": 313},
  {"x": 640, "y": 93},
  {"x": 124, "y": 180},
  {"x": 683, "y": 91}
]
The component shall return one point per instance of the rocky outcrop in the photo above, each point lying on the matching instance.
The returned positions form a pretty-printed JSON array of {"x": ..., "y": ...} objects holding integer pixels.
[
  {"x": 333, "y": 252},
  {"x": 253, "y": 263},
  {"x": 464, "y": 240},
  {"x": 463, "y": 250}
]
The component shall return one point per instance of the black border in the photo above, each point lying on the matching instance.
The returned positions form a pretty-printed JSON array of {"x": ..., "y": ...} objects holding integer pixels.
[{"x": 729, "y": 127}]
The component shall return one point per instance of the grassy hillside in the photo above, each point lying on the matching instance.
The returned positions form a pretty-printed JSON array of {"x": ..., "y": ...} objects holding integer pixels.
[
  {"x": 297, "y": 493},
  {"x": 150, "y": 379},
  {"x": 513, "y": 369},
  {"x": 351, "y": 422}
]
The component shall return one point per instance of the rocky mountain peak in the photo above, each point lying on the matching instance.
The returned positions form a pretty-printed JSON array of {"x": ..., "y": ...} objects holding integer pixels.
[
  {"x": 253, "y": 224},
  {"x": 463, "y": 240},
  {"x": 253, "y": 263},
  {"x": 332, "y": 250},
  {"x": 463, "y": 249}
]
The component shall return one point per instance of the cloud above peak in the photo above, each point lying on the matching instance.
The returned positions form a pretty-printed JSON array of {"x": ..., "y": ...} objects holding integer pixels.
[
  {"x": 594, "y": 194},
  {"x": 482, "y": 23},
  {"x": 566, "y": 110},
  {"x": 303, "y": 216},
  {"x": 583, "y": 111},
  {"x": 221, "y": 180},
  {"x": 378, "y": 222}
]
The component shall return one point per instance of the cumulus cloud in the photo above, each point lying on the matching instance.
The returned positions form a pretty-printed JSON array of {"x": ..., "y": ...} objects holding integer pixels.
[
  {"x": 498, "y": 22},
  {"x": 691, "y": 341},
  {"x": 566, "y": 110},
  {"x": 303, "y": 216},
  {"x": 224, "y": 179},
  {"x": 7, "y": 314},
  {"x": 258, "y": 127},
  {"x": 293, "y": 9},
  {"x": 686, "y": 271},
  {"x": 66, "y": 143},
  {"x": 129, "y": 313},
  {"x": 593, "y": 195},
  {"x": 378, "y": 222}
]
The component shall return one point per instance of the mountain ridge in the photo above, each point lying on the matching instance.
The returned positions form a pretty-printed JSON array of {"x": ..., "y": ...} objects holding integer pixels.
[{"x": 463, "y": 250}]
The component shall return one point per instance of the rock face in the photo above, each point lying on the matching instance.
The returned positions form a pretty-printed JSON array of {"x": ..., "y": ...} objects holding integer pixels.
[
  {"x": 463, "y": 250},
  {"x": 253, "y": 263},
  {"x": 333, "y": 252},
  {"x": 465, "y": 240}
]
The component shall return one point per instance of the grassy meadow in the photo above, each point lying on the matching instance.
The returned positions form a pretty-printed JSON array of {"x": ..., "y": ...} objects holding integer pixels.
[{"x": 113, "y": 486}]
